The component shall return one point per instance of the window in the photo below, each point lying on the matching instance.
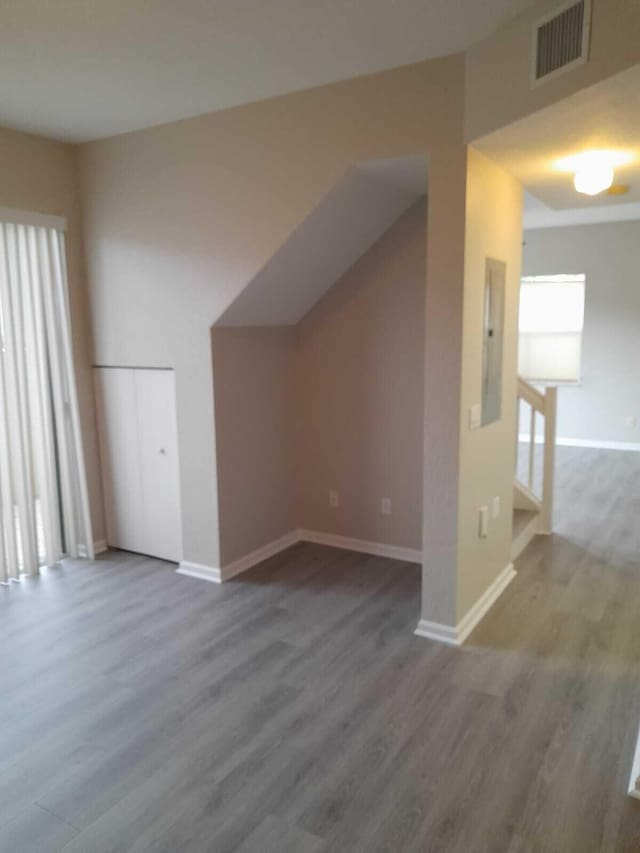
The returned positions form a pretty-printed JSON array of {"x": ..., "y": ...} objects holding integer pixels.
[
  {"x": 44, "y": 507},
  {"x": 551, "y": 322}
]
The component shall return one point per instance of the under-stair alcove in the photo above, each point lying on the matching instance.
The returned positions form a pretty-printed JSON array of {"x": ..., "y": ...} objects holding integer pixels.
[{"x": 319, "y": 379}]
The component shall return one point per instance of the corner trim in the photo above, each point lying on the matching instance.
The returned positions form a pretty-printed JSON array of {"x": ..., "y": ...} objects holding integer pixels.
[
  {"x": 200, "y": 571},
  {"x": 378, "y": 549},
  {"x": 455, "y": 636}
]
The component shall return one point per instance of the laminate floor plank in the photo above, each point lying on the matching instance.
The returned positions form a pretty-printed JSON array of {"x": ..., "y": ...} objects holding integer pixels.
[
  {"x": 276, "y": 836},
  {"x": 293, "y": 710},
  {"x": 33, "y": 828}
]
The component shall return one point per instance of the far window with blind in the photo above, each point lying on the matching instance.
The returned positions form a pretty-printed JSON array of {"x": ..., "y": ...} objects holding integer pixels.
[{"x": 551, "y": 323}]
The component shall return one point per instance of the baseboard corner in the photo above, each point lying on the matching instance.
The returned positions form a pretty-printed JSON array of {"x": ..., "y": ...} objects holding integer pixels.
[
  {"x": 100, "y": 546},
  {"x": 456, "y": 635},
  {"x": 264, "y": 552},
  {"x": 200, "y": 571},
  {"x": 437, "y": 631},
  {"x": 363, "y": 546},
  {"x": 242, "y": 564}
]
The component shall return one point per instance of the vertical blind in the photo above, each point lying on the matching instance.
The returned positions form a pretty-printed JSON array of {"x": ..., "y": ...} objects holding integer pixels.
[
  {"x": 551, "y": 323},
  {"x": 44, "y": 507}
]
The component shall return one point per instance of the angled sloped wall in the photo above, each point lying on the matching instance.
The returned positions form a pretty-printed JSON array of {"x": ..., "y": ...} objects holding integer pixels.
[
  {"x": 332, "y": 403},
  {"x": 349, "y": 219}
]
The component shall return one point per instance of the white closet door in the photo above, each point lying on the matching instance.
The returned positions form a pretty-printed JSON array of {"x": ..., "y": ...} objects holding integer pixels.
[
  {"x": 116, "y": 405},
  {"x": 139, "y": 453},
  {"x": 158, "y": 450}
]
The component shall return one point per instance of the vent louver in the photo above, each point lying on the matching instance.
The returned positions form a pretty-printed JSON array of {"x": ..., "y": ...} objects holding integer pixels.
[{"x": 561, "y": 40}]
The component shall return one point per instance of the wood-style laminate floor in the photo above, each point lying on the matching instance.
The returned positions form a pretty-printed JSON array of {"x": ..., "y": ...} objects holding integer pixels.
[{"x": 293, "y": 710}]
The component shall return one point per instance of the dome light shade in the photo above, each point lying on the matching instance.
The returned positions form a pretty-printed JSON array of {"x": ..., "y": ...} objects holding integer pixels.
[
  {"x": 593, "y": 178},
  {"x": 593, "y": 170}
]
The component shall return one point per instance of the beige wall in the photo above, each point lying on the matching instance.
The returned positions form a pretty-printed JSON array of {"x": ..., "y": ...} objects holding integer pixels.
[
  {"x": 179, "y": 218},
  {"x": 487, "y": 455},
  {"x": 359, "y": 394},
  {"x": 497, "y": 86},
  {"x": 40, "y": 176},
  {"x": 253, "y": 370}
]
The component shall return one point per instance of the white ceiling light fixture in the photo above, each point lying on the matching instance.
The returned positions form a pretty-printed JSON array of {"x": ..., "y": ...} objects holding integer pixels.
[
  {"x": 593, "y": 179},
  {"x": 593, "y": 170}
]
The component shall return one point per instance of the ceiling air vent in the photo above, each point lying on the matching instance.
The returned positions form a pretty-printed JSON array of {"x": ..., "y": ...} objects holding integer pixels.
[{"x": 561, "y": 41}]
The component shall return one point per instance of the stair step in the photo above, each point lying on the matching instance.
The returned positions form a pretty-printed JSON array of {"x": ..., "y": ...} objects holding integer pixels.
[{"x": 525, "y": 527}]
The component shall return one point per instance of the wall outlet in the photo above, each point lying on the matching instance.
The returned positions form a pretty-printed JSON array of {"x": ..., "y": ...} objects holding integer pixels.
[
  {"x": 495, "y": 507},
  {"x": 475, "y": 416},
  {"x": 334, "y": 499},
  {"x": 483, "y": 522},
  {"x": 631, "y": 421},
  {"x": 385, "y": 506}
]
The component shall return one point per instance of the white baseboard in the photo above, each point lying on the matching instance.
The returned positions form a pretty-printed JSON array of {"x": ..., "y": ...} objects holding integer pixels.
[
  {"x": 437, "y": 631},
  {"x": 200, "y": 571},
  {"x": 99, "y": 547},
  {"x": 634, "y": 780},
  {"x": 394, "y": 552},
  {"x": 260, "y": 554},
  {"x": 216, "y": 575},
  {"x": 456, "y": 636},
  {"x": 629, "y": 446}
]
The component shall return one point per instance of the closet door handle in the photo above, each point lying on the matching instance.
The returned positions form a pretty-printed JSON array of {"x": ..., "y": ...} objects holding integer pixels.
[{"x": 163, "y": 452}]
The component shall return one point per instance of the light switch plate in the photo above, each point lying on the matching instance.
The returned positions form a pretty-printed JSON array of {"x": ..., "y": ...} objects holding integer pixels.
[
  {"x": 475, "y": 416},
  {"x": 495, "y": 507},
  {"x": 483, "y": 522}
]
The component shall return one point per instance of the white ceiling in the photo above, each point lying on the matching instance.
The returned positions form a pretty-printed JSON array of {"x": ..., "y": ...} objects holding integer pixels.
[
  {"x": 604, "y": 116},
  {"x": 83, "y": 69},
  {"x": 348, "y": 220}
]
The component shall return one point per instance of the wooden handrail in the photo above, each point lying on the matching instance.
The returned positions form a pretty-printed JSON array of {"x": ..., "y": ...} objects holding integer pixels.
[
  {"x": 532, "y": 396},
  {"x": 546, "y": 404}
]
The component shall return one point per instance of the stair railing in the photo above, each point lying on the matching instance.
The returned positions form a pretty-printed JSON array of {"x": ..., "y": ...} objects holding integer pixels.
[{"x": 542, "y": 404}]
